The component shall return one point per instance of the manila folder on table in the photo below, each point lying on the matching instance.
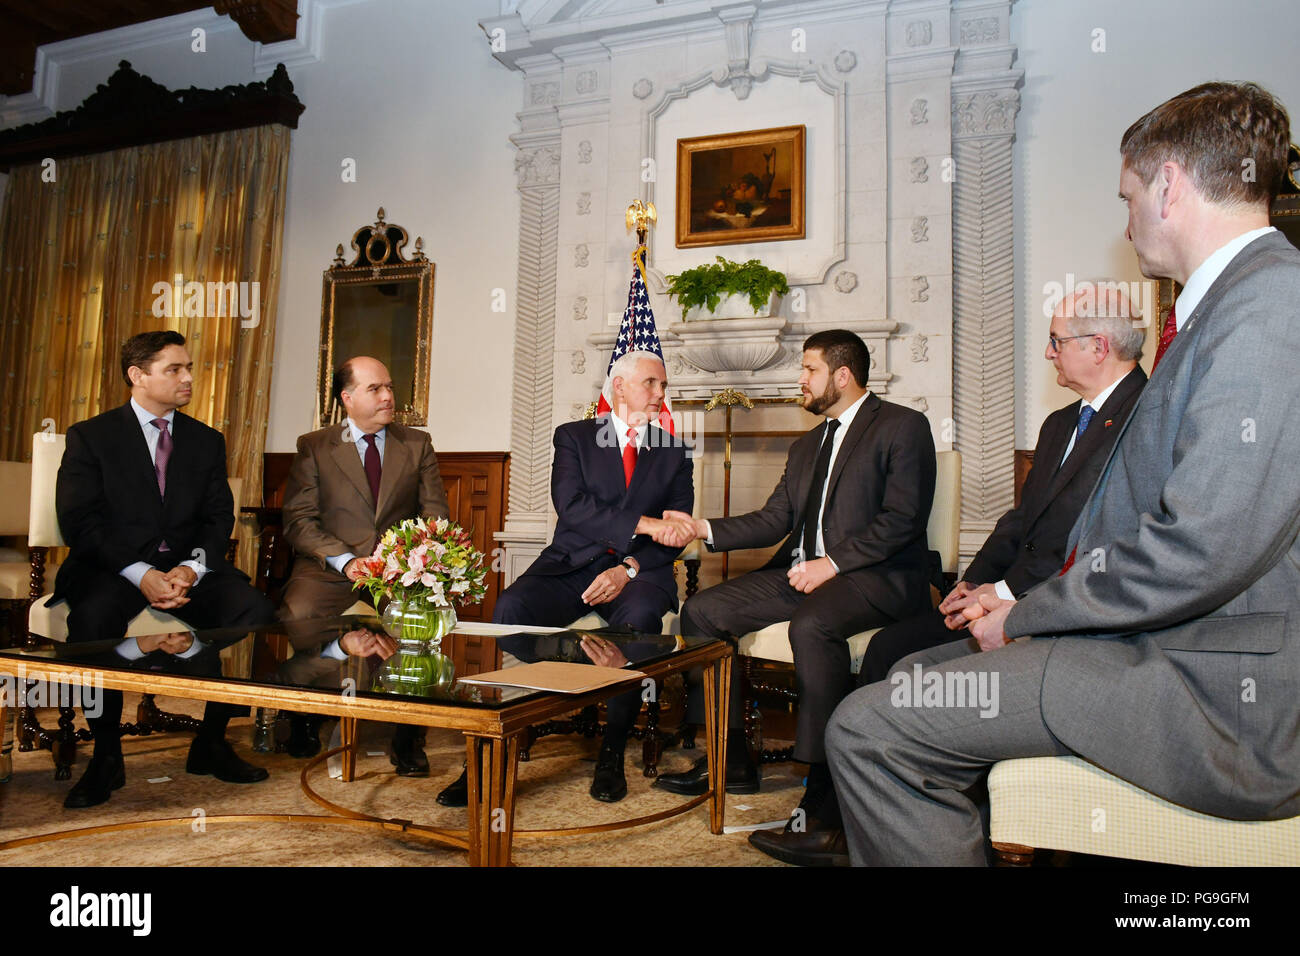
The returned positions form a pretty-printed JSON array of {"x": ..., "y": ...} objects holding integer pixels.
[{"x": 559, "y": 677}]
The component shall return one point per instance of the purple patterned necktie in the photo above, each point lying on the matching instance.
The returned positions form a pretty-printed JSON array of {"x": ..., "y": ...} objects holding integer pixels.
[
  {"x": 161, "y": 457},
  {"x": 372, "y": 467}
]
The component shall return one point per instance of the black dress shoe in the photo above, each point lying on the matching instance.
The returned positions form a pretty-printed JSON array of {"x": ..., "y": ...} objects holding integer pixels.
[
  {"x": 811, "y": 847},
  {"x": 218, "y": 758},
  {"x": 103, "y": 775},
  {"x": 609, "y": 785},
  {"x": 456, "y": 793},
  {"x": 304, "y": 737},
  {"x": 408, "y": 758},
  {"x": 693, "y": 782}
]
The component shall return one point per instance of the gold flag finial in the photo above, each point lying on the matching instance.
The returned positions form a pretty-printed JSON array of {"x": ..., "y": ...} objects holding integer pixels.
[{"x": 640, "y": 215}]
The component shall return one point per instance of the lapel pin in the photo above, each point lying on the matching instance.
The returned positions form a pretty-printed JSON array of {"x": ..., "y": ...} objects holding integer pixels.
[{"x": 1108, "y": 423}]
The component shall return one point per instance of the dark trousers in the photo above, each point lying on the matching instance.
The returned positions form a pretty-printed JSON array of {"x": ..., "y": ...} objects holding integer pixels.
[
  {"x": 891, "y": 645},
  {"x": 555, "y": 600},
  {"x": 820, "y": 625},
  {"x": 103, "y": 604}
]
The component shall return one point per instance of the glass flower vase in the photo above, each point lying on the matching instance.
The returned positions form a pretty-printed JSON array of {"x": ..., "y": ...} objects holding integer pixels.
[{"x": 415, "y": 619}]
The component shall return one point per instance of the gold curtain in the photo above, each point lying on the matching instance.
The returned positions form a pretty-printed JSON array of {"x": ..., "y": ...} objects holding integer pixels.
[{"x": 91, "y": 250}]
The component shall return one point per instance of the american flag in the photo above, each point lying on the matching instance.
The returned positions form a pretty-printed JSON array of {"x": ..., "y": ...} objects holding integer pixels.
[{"x": 636, "y": 333}]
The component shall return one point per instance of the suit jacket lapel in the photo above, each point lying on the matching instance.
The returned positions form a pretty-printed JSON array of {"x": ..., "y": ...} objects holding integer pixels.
[
  {"x": 608, "y": 458},
  {"x": 137, "y": 453},
  {"x": 861, "y": 422},
  {"x": 397, "y": 460},
  {"x": 345, "y": 456}
]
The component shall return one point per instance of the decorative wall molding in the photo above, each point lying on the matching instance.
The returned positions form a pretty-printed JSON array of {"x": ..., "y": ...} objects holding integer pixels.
[
  {"x": 43, "y": 100},
  {"x": 759, "y": 69},
  {"x": 530, "y": 432}
]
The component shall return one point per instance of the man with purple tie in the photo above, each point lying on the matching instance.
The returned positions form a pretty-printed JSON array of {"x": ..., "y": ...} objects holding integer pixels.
[{"x": 144, "y": 505}]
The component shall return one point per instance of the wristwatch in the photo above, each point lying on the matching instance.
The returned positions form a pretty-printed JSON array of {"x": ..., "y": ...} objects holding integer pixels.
[{"x": 630, "y": 569}]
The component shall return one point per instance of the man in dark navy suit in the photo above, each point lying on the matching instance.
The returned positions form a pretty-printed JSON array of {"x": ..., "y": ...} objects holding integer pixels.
[
  {"x": 144, "y": 505},
  {"x": 610, "y": 479}
]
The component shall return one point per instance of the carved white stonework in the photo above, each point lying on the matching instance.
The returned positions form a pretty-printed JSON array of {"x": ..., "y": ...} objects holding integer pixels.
[
  {"x": 919, "y": 170},
  {"x": 919, "y": 343},
  {"x": 584, "y": 152},
  {"x": 738, "y": 23},
  {"x": 580, "y": 255},
  {"x": 846, "y": 282},
  {"x": 584, "y": 204},
  {"x": 919, "y": 33},
  {"x": 919, "y": 106},
  {"x": 642, "y": 88},
  {"x": 580, "y": 309},
  {"x": 845, "y": 61},
  {"x": 527, "y": 523},
  {"x": 586, "y": 82},
  {"x": 545, "y": 94},
  {"x": 985, "y": 112},
  {"x": 578, "y": 362},
  {"x": 920, "y": 404},
  {"x": 979, "y": 30},
  {"x": 730, "y": 345},
  {"x": 920, "y": 289},
  {"x": 921, "y": 229},
  {"x": 535, "y": 167}
]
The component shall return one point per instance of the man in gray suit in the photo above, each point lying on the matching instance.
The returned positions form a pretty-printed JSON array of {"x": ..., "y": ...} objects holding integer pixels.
[{"x": 1168, "y": 650}]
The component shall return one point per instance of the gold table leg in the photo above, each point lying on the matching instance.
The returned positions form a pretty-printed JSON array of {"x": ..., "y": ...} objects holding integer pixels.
[
  {"x": 717, "y": 690},
  {"x": 348, "y": 740},
  {"x": 492, "y": 767}
]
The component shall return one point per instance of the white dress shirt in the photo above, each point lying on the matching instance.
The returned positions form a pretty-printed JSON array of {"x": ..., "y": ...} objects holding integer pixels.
[{"x": 1199, "y": 282}]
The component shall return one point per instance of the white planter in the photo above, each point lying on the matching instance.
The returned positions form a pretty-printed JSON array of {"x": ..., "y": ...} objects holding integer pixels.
[
  {"x": 731, "y": 345},
  {"x": 735, "y": 307}
]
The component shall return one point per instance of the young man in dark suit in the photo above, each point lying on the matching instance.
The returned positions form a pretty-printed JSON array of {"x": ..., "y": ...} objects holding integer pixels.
[
  {"x": 1094, "y": 344},
  {"x": 610, "y": 478},
  {"x": 144, "y": 505},
  {"x": 852, "y": 506}
]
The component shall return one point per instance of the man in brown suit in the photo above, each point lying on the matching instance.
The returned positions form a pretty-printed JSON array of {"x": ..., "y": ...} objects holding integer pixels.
[{"x": 349, "y": 484}]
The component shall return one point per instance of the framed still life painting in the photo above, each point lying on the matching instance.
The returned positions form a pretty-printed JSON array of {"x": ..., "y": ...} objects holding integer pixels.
[{"x": 741, "y": 187}]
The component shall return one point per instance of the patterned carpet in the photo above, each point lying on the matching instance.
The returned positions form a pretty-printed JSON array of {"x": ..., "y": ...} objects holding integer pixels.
[{"x": 552, "y": 792}]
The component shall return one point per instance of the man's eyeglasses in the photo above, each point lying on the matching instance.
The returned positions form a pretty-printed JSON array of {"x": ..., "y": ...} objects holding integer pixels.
[{"x": 1055, "y": 342}]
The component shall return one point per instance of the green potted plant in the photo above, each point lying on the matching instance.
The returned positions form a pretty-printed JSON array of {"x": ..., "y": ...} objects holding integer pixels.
[{"x": 727, "y": 290}]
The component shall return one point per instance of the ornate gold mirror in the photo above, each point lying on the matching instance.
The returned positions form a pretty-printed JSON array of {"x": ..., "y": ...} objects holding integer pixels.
[{"x": 379, "y": 304}]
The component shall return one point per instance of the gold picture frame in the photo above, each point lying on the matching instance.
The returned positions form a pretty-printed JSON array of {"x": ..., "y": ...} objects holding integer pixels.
[{"x": 741, "y": 187}]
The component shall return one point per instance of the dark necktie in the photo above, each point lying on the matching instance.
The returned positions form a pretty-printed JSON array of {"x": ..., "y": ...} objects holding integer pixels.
[
  {"x": 813, "y": 509},
  {"x": 1085, "y": 416},
  {"x": 629, "y": 457},
  {"x": 1166, "y": 337},
  {"x": 372, "y": 467}
]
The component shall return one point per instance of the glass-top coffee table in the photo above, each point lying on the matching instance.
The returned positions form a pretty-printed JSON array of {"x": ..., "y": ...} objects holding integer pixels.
[{"x": 493, "y": 719}]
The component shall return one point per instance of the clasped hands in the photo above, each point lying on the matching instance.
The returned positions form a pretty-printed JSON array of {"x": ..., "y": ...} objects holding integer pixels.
[
  {"x": 170, "y": 590},
  {"x": 366, "y": 643},
  {"x": 979, "y": 609},
  {"x": 675, "y": 529}
]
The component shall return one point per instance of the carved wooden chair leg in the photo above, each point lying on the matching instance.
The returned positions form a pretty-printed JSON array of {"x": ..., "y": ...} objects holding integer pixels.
[
  {"x": 1012, "y": 854},
  {"x": 652, "y": 746},
  {"x": 149, "y": 720},
  {"x": 64, "y": 746},
  {"x": 29, "y": 729},
  {"x": 749, "y": 707},
  {"x": 526, "y": 741}
]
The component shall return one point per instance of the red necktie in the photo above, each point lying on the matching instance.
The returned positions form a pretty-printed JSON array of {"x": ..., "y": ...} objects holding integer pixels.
[
  {"x": 629, "y": 457},
  {"x": 1166, "y": 336},
  {"x": 372, "y": 466}
]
